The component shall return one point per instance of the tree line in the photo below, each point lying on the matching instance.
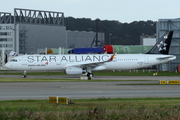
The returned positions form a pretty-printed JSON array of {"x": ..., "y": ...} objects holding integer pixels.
[{"x": 119, "y": 33}]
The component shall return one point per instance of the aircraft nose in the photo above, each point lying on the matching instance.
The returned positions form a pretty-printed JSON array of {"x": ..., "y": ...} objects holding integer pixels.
[{"x": 7, "y": 65}]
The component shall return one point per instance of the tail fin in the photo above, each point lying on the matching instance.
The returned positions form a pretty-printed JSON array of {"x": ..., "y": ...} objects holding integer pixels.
[{"x": 163, "y": 45}]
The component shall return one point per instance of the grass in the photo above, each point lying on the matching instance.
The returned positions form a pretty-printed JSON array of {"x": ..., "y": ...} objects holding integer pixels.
[
  {"x": 93, "y": 109},
  {"x": 37, "y": 80},
  {"x": 141, "y": 84},
  {"x": 58, "y": 80},
  {"x": 96, "y": 73},
  {"x": 135, "y": 73}
]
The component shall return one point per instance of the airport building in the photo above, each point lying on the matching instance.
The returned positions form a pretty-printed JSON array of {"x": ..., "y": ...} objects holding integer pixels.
[
  {"x": 29, "y": 30},
  {"x": 148, "y": 40}
]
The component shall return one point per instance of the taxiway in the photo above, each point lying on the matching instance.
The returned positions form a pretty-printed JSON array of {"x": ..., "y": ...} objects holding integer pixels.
[{"x": 74, "y": 90}]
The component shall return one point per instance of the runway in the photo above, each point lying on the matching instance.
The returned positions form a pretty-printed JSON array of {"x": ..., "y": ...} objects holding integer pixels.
[{"x": 82, "y": 90}]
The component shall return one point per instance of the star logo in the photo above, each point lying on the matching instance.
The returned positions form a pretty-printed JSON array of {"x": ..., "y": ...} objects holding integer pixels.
[
  {"x": 46, "y": 63},
  {"x": 162, "y": 46}
]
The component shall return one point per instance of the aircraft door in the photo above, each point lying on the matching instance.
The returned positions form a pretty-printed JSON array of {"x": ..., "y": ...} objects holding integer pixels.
[{"x": 146, "y": 59}]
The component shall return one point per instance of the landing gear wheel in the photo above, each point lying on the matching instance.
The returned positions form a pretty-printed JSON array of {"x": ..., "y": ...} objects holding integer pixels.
[
  {"x": 24, "y": 75},
  {"x": 90, "y": 76}
]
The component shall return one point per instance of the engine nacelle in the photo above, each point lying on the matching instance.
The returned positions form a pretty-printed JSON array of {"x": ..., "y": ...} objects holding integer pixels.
[{"x": 73, "y": 71}]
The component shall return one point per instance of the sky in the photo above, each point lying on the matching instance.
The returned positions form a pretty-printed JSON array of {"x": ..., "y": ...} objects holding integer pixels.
[{"x": 124, "y": 11}]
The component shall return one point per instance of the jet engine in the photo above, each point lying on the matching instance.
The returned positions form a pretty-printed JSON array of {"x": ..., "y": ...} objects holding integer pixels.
[{"x": 73, "y": 71}]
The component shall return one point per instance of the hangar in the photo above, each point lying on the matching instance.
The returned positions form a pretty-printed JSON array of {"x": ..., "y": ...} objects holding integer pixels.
[{"x": 164, "y": 25}]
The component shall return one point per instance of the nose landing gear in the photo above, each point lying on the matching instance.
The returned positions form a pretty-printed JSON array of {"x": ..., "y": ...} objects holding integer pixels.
[{"x": 24, "y": 74}]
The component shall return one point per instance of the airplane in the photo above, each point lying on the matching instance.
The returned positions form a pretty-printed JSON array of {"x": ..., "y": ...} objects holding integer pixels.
[{"x": 78, "y": 64}]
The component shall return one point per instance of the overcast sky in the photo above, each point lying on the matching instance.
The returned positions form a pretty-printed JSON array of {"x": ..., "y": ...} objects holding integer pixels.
[{"x": 120, "y": 10}]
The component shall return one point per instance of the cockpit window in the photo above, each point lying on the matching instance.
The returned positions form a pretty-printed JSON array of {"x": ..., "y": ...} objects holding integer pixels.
[{"x": 13, "y": 60}]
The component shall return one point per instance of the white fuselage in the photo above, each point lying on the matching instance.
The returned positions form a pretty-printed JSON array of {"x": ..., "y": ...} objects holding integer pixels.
[{"x": 60, "y": 62}]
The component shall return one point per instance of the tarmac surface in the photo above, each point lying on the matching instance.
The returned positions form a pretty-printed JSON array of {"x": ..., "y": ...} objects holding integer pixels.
[{"x": 86, "y": 90}]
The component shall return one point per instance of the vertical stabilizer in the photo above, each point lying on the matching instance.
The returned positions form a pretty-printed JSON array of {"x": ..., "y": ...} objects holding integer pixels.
[{"x": 163, "y": 45}]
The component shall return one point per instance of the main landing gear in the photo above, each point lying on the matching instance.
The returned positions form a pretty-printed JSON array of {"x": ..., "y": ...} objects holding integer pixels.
[
  {"x": 87, "y": 76},
  {"x": 90, "y": 76},
  {"x": 89, "y": 73}
]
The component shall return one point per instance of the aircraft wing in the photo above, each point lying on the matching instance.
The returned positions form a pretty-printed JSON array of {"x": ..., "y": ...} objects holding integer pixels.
[{"x": 92, "y": 65}]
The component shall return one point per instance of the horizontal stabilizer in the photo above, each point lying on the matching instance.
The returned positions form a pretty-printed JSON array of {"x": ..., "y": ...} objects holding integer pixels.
[{"x": 167, "y": 57}]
